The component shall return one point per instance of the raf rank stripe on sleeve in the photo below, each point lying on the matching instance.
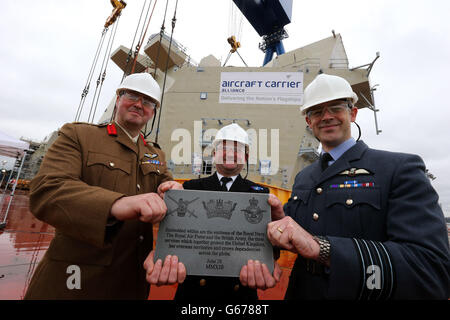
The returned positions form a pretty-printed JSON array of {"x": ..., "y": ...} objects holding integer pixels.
[
  {"x": 388, "y": 271},
  {"x": 377, "y": 276}
]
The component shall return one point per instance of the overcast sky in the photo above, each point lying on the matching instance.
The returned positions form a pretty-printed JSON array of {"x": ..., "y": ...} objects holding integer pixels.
[{"x": 48, "y": 47}]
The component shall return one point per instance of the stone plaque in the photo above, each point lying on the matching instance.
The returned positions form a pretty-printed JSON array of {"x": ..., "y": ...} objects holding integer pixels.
[{"x": 215, "y": 233}]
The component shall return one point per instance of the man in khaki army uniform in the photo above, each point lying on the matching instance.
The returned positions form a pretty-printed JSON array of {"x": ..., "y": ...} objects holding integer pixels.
[{"x": 98, "y": 186}]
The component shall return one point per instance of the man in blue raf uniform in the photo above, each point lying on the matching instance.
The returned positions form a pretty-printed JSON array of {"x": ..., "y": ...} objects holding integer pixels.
[
  {"x": 230, "y": 155},
  {"x": 365, "y": 223}
]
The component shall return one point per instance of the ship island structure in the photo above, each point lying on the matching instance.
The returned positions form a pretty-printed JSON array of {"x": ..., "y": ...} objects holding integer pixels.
[
  {"x": 281, "y": 144},
  {"x": 192, "y": 100}
]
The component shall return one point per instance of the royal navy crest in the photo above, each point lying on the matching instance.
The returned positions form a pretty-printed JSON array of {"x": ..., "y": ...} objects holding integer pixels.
[{"x": 219, "y": 209}]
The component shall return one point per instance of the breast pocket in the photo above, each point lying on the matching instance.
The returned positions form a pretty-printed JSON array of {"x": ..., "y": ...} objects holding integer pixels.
[
  {"x": 107, "y": 171},
  {"x": 297, "y": 204},
  {"x": 352, "y": 211},
  {"x": 152, "y": 169},
  {"x": 152, "y": 175},
  {"x": 351, "y": 198}
]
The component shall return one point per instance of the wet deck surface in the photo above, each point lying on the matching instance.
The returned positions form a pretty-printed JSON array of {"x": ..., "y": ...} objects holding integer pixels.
[
  {"x": 22, "y": 244},
  {"x": 25, "y": 239}
]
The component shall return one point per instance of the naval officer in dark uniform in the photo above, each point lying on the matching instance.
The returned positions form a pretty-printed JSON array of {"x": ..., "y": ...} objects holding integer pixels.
[
  {"x": 365, "y": 223},
  {"x": 230, "y": 155}
]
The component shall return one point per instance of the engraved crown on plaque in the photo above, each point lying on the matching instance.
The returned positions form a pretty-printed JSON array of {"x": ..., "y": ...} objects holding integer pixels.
[
  {"x": 253, "y": 202},
  {"x": 219, "y": 208}
]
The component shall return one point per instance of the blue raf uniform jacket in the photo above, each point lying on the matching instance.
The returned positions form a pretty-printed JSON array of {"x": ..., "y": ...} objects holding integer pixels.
[{"x": 387, "y": 231}]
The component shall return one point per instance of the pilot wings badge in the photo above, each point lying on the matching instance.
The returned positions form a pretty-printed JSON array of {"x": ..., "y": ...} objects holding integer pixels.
[{"x": 253, "y": 213}]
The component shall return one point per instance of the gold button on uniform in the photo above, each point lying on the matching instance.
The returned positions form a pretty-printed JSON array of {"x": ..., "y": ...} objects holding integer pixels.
[
  {"x": 319, "y": 190},
  {"x": 349, "y": 202},
  {"x": 202, "y": 282},
  {"x": 111, "y": 164},
  {"x": 315, "y": 216},
  {"x": 236, "y": 287},
  {"x": 295, "y": 197},
  {"x": 138, "y": 186}
]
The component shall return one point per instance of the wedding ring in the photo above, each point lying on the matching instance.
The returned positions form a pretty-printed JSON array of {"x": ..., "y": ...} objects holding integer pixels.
[{"x": 279, "y": 229}]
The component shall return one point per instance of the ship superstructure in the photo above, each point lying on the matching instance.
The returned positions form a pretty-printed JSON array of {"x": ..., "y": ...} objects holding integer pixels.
[{"x": 192, "y": 101}]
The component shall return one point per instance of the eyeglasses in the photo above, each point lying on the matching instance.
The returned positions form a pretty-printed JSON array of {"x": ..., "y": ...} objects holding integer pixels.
[
  {"x": 334, "y": 109},
  {"x": 146, "y": 102}
]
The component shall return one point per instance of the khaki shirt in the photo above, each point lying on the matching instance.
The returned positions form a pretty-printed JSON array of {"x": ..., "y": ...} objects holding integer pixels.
[{"x": 83, "y": 173}]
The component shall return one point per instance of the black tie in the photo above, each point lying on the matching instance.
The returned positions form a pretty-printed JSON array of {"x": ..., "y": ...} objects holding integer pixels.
[
  {"x": 324, "y": 160},
  {"x": 224, "y": 181}
]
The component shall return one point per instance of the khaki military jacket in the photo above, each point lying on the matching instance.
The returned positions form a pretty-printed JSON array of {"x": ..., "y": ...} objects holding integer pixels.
[{"x": 83, "y": 173}]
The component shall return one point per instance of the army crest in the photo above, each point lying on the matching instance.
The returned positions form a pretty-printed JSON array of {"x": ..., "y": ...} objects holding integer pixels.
[
  {"x": 253, "y": 212},
  {"x": 219, "y": 208},
  {"x": 182, "y": 208}
]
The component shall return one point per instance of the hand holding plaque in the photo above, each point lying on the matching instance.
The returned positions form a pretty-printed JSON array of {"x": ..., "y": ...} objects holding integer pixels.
[
  {"x": 257, "y": 276},
  {"x": 169, "y": 272}
]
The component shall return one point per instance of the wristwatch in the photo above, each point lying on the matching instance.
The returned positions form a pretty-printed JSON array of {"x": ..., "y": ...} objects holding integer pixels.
[{"x": 325, "y": 249}]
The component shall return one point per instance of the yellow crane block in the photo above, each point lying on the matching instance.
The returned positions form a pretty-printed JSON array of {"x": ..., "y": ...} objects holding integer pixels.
[
  {"x": 118, "y": 6},
  {"x": 233, "y": 43}
]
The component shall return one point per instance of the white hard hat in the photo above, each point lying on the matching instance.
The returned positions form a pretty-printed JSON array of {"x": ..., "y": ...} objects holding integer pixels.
[
  {"x": 142, "y": 83},
  {"x": 231, "y": 132},
  {"x": 326, "y": 88}
]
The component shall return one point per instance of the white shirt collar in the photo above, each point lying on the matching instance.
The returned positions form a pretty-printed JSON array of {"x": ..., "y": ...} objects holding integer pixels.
[{"x": 229, "y": 183}]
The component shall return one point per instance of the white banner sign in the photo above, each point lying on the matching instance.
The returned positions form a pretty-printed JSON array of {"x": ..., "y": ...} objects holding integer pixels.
[{"x": 261, "y": 87}]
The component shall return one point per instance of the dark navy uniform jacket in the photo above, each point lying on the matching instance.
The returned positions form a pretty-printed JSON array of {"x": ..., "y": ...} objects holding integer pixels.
[
  {"x": 217, "y": 288},
  {"x": 387, "y": 231}
]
